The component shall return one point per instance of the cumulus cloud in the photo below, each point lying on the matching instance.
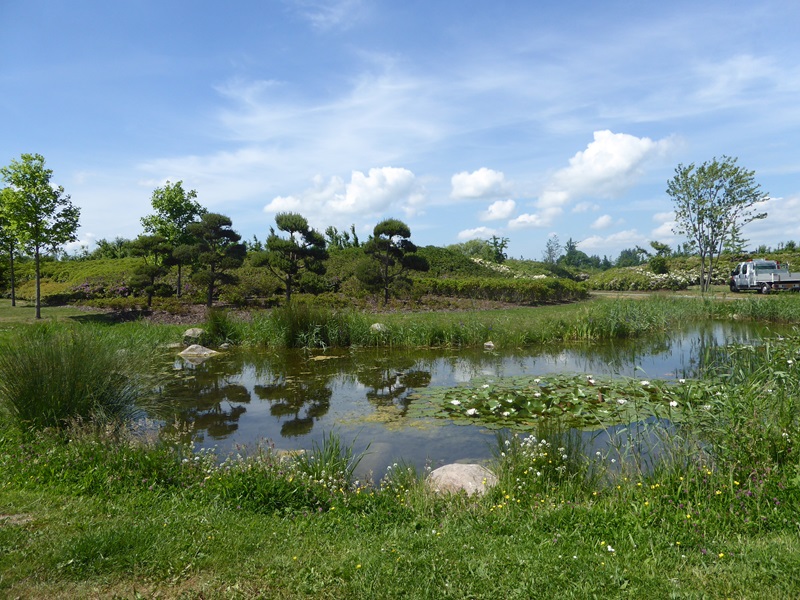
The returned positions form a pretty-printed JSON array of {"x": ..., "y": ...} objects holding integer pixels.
[
  {"x": 501, "y": 209},
  {"x": 542, "y": 219},
  {"x": 616, "y": 241},
  {"x": 483, "y": 183},
  {"x": 476, "y": 233},
  {"x": 609, "y": 166},
  {"x": 603, "y": 222},
  {"x": 367, "y": 195}
]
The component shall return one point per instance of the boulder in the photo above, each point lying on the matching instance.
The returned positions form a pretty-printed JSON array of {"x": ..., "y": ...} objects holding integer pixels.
[
  {"x": 195, "y": 335},
  {"x": 196, "y": 353},
  {"x": 454, "y": 478}
]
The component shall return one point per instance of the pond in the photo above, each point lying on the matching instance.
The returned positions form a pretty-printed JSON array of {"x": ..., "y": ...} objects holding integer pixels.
[{"x": 295, "y": 398}]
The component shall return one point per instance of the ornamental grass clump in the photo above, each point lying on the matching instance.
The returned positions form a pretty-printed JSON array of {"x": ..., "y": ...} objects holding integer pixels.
[{"x": 51, "y": 375}]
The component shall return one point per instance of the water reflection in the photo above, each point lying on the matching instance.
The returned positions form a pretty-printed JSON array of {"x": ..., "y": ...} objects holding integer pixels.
[{"x": 295, "y": 398}]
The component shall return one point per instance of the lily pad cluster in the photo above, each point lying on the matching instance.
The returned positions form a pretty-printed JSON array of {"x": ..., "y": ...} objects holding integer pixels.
[{"x": 576, "y": 400}]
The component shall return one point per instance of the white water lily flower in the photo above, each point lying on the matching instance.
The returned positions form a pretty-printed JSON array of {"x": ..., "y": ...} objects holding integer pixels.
[
  {"x": 506, "y": 413},
  {"x": 673, "y": 404},
  {"x": 645, "y": 383},
  {"x": 472, "y": 411}
]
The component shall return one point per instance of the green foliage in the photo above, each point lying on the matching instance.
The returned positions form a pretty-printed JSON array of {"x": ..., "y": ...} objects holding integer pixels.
[
  {"x": 451, "y": 262},
  {"x": 520, "y": 291},
  {"x": 221, "y": 328},
  {"x": 712, "y": 204},
  {"x": 639, "y": 279},
  {"x": 658, "y": 265},
  {"x": 38, "y": 213},
  {"x": 393, "y": 254},
  {"x": 49, "y": 376},
  {"x": 290, "y": 258},
  {"x": 215, "y": 250}
]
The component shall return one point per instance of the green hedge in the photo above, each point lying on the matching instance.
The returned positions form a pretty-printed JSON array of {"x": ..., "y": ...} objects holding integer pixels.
[{"x": 518, "y": 291}]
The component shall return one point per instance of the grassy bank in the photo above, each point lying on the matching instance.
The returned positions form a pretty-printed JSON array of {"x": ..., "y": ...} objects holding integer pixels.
[{"x": 98, "y": 510}]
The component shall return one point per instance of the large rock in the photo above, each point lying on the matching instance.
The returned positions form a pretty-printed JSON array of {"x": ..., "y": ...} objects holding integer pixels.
[
  {"x": 196, "y": 353},
  {"x": 470, "y": 478}
]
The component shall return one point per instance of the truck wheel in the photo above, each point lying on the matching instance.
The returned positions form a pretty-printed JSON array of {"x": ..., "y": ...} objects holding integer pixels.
[
  {"x": 734, "y": 288},
  {"x": 765, "y": 288}
]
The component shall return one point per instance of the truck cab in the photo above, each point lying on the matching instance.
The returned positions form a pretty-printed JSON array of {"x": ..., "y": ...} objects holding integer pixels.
[{"x": 763, "y": 276}]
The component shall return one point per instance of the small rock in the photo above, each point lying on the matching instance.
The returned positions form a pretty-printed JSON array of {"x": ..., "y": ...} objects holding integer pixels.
[
  {"x": 195, "y": 335},
  {"x": 454, "y": 478},
  {"x": 488, "y": 345}
]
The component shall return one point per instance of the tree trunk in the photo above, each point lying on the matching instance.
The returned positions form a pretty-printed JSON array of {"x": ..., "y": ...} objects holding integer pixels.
[
  {"x": 13, "y": 285},
  {"x": 38, "y": 284},
  {"x": 178, "y": 291}
]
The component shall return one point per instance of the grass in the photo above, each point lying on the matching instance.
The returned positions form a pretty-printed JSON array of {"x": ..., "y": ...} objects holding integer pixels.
[
  {"x": 90, "y": 511},
  {"x": 52, "y": 374}
]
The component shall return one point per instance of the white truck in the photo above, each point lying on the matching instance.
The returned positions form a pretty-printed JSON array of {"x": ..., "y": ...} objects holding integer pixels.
[{"x": 763, "y": 276}]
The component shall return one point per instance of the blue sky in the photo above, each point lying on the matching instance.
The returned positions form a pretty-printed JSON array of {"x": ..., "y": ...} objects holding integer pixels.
[{"x": 464, "y": 119}]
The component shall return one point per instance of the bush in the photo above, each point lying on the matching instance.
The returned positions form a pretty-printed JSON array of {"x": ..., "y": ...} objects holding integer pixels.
[{"x": 50, "y": 375}]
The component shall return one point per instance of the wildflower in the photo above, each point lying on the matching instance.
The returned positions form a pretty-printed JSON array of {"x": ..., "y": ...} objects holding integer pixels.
[
  {"x": 721, "y": 555},
  {"x": 681, "y": 380},
  {"x": 673, "y": 404},
  {"x": 485, "y": 385},
  {"x": 645, "y": 383},
  {"x": 622, "y": 401},
  {"x": 609, "y": 548}
]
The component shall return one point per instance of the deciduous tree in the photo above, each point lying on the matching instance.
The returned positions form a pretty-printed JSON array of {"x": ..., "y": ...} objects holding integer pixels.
[
  {"x": 40, "y": 216},
  {"x": 8, "y": 244},
  {"x": 175, "y": 209},
  {"x": 713, "y": 202}
]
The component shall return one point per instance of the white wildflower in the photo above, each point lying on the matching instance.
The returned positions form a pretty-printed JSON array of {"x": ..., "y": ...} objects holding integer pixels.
[
  {"x": 673, "y": 404},
  {"x": 622, "y": 401}
]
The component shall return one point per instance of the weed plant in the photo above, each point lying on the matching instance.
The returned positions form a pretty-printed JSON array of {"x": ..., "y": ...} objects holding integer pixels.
[{"x": 50, "y": 374}]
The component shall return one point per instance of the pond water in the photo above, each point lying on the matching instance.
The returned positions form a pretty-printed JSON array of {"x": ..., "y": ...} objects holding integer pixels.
[{"x": 294, "y": 398}]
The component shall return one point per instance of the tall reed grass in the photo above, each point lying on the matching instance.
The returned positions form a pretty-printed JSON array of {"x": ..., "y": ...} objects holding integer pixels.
[
  {"x": 51, "y": 374},
  {"x": 309, "y": 326}
]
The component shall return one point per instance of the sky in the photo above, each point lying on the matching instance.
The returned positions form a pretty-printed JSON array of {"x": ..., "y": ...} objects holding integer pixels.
[{"x": 464, "y": 119}]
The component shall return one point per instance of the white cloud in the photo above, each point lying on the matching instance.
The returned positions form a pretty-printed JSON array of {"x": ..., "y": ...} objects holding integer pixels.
[
  {"x": 501, "y": 209},
  {"x": 379, "y": 192},
  {"x": 582, "y": 207},
  {"x": 603, "y": 222},
  {"x": 609, "y": 166},
  {"x": 729, "y": 82},
  {"x": 617, "y": 241},
  {"x": 544, "y": 218},
  {"x": 328, "y": 14},
  {"x": 476, "y": 233},
  {"x": 483, "y": 183}
]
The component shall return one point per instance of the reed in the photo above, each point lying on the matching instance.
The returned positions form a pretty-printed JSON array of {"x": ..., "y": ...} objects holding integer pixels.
[{"x": 51, "y": 374}]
